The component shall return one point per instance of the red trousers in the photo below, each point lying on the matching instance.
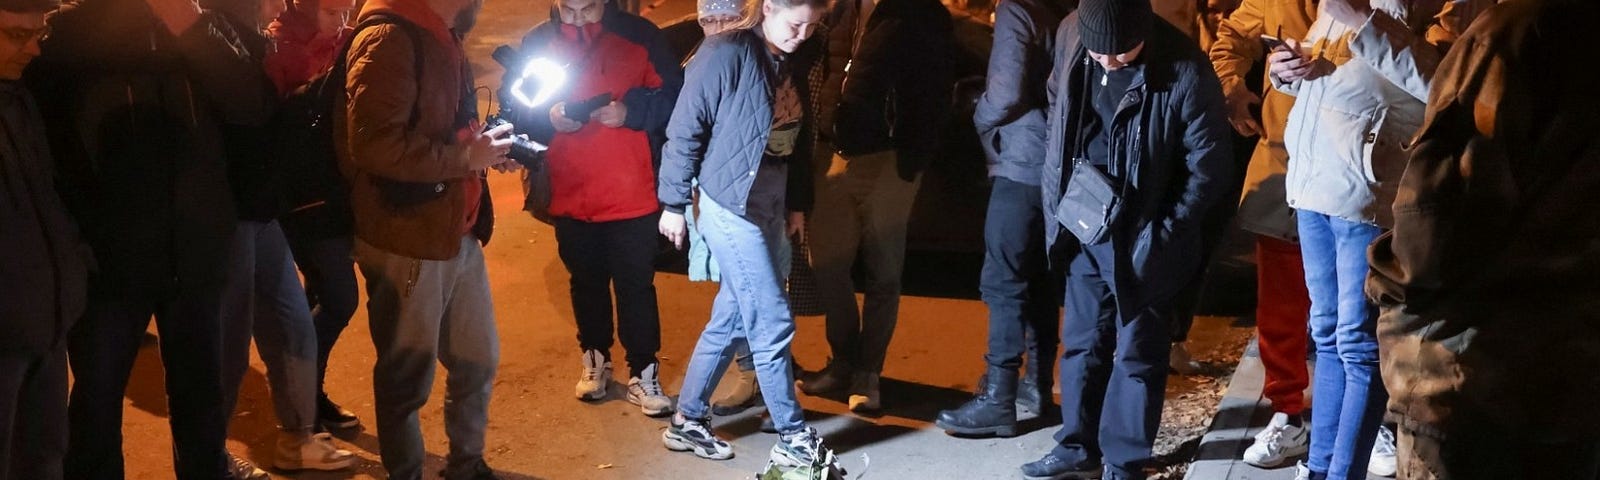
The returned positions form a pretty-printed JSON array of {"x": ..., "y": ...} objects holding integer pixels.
[{"x": 1282, "y": 306}]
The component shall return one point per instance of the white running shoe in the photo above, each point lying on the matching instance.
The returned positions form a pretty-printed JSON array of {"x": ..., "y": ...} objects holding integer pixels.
[
  {"x": 314, "y": 452},
  {"x": 1277, "y": 444},
  {"x": 1383, "y": 461},
  {"x": 596, "y": 376},
  {"x": 645, "y": 391},
  {"x": 694, "y": 435}
]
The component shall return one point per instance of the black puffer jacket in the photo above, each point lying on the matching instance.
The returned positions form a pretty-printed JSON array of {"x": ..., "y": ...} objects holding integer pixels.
[
  {"x": 894, "y": 91},
  {"x": 135, "y": 125},
  {"x": 719, "y": 129},
  {"x": 1178, "y": 147}
]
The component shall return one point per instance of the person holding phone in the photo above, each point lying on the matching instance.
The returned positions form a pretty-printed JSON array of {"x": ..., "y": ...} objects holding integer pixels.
[
  {"x": 1360, "y": 92},
  {"x": 1244, "y": 39},
  {"x": 602, "y": 179}
]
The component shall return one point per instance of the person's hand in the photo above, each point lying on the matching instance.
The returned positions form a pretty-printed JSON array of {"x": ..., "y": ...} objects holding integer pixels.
[
  {"x": 612, "y": 115},
  {"x": 1352, "y": 13},
  {"x": 559, "y": 120},
  {"x": 797, "y": 224},
  {"x": 488, "y": 149},
  {"x": 177, "y": 15},
  {"x": 1289, "y": 66},
  {"x": 1242, "y": 104},
  {"x": 508, "y": 166},
  {"x": 674, "y": 227}
]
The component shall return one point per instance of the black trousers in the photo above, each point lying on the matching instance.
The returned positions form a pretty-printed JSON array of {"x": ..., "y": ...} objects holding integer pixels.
[
  {"x": 102, "y": 351},
  {"x": 1023, "y": 296},
  {"x": 620, "y": 256},
  {"x": 329, "y": 269},
  {"x": 1113, "y": 371},
  {"x": 33, "y": 415}
]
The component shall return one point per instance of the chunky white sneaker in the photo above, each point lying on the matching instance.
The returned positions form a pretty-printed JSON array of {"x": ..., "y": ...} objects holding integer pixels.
[
  {"x": 314, "y": 452},
  {"x": 1277, "y": 444},
  {"x": 645, "y": 391},
  {"x": 694, "y": 435},
  {"x": 864, "y": 396},
  {"x": 596, "y": 376},
  {"x": 1383, "y": 462},
  {"x": 804, "y": 449}
]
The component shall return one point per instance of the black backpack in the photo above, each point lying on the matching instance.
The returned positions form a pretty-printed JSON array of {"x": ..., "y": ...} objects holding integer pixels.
[{"x": 317, "y": 192}]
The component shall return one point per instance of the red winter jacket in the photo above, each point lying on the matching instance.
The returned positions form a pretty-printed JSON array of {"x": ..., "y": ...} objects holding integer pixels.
[{"x": 599, "y": 173}]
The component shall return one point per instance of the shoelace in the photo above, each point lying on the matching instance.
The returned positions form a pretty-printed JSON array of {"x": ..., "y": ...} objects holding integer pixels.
[
  {"x": 651, "y": 387},
  {"x": 1274, "y": 437}
]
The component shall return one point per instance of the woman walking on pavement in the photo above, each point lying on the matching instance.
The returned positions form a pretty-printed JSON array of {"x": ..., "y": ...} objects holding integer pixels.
[{"x": 743, "y": 102}]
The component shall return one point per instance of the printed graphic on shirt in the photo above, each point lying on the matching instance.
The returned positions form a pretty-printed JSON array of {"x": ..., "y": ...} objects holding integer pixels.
[{"x": 786, "y": 113}]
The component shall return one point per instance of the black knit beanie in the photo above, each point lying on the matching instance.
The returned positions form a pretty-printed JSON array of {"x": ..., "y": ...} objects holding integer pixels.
[{"x": 1110, "y": 27}]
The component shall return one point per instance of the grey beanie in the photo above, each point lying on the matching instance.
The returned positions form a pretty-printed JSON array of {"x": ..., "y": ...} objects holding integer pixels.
[
  {"x": 1110, "y": 27},
  {"x": 714, "y": 8}
]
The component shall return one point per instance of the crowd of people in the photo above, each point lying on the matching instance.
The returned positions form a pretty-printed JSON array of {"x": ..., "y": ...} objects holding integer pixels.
[{"x": 1418, "y": 177}]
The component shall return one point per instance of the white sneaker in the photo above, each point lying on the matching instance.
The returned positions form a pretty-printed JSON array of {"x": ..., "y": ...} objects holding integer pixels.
[
  {"x": 1383, "y": 462},
  {"x": 596, "y": 376},
  {"x": 803, "y": 449},
  {"x": 645, "y": 391},
  {"x": 1301, "y": 471},
  {"x": 694, "y": 435},
  {"x": 1278, "y": 443},
  {"x": 315, "y": 452}
]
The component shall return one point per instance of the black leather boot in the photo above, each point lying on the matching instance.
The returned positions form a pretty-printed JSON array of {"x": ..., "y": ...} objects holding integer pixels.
[
  {"x": 992, "y": 412},
  {"x": 1033, "y": 389}
]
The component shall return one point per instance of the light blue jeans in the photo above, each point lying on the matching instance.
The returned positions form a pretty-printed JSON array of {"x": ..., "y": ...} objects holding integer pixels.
[
  {"x": 1348, "y": 390},
  {"x": 751, "y": 306}
]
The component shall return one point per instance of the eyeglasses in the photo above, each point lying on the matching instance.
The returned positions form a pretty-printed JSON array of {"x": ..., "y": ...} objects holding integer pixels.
[{"x": 21, "y": 35}]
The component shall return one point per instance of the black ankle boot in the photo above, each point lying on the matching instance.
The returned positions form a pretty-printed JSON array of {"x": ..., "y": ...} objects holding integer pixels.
[
  {"x": 1033, "y": 390},
  {"x": 992, "y": 412}
]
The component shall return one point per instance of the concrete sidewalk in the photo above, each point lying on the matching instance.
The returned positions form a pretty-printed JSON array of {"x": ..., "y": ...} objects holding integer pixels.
[{"x": 1241, "y": 413}]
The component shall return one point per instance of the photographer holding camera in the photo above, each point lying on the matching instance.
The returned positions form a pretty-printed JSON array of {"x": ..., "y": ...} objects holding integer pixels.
[
  {"x": 416, "y": 157},
  {"x": 604, "y": 128}
]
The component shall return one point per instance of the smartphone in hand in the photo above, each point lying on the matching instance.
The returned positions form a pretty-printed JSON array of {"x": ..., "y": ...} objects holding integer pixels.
[{"x": 1275, "y": 43}]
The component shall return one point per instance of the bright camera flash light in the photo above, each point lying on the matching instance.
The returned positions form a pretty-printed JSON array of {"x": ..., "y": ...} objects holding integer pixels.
[{"x": 550, "y": 75}]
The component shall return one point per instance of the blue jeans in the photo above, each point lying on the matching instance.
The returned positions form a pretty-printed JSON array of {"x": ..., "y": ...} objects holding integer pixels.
[
  {"x": 1348, "y": 390},
  {"x": 262, "y": 299},
  {"x": 422, "y": 313},
  {"x": 751, "y": 305}
]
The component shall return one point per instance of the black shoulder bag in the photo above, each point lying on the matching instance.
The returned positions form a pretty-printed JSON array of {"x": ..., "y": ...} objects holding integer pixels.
[{"x": 1090, "y": 202}]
